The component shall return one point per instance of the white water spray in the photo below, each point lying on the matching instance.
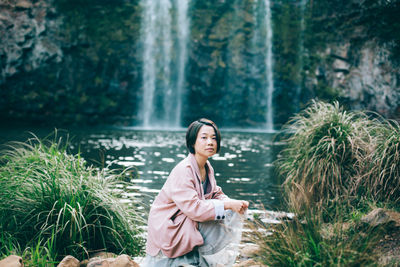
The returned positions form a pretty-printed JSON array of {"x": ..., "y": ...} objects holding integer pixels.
[{"x": 269, "y": 68}]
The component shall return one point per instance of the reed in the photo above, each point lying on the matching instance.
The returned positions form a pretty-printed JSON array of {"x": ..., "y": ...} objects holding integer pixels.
[{"x": 54, "y": 199}]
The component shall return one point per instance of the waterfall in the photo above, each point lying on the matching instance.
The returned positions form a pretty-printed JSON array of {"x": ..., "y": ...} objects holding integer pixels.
[
  {"x": 164, "y": 48},
  {"x": 303, "y": 4},
  {"x": 262, "y": 61},
  {"x": 269, "y": 68},
  {"x": 183, "y": 37}
]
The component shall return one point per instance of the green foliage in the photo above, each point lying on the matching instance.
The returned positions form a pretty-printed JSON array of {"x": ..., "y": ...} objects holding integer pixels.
[
  {"x": 383, "y": 181},
  {"x": 309, "y": 242},
  {"x": 322, "y": 153},
  {"x": 337, "y": 165},
  {"x": 37, "y": 255},
  {"x": 54, "y": 199}
]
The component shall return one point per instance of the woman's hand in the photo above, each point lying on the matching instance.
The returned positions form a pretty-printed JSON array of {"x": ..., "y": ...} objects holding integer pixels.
[{"x": 239, "y": 206}]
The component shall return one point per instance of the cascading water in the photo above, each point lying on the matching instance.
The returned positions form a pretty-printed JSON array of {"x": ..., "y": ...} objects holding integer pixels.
[
  {"x": 164, "y": 59},
  {"x": 183, "y": 37},
  {"x": 303, "y": 4},
  {"x": 269, "y": 68},
  {"x": 250, "y": 63},
  {"x": 261, "y": 44}
]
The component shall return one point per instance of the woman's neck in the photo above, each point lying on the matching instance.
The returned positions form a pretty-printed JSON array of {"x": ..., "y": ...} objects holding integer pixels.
[{"x": 201, "y": 161}]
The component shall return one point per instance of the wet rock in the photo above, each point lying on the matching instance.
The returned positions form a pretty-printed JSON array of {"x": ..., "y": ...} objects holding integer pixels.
[
  {"x": 12, "y": 261},
  {"x": 25, "y": 41},
  {"x": 69, "y": 261},
  {"x": 377, "y": 217}
]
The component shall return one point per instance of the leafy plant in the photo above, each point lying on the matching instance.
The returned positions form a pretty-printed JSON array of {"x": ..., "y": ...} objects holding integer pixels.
[
  {"x": 321, "y": 162},
  {"x": 53, "y": 198},
  {"x": 384, "y": 179},
  {"x": 303, "y": 242}
]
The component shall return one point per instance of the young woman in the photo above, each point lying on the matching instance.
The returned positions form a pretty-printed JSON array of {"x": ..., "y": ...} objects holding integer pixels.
[{"x": 191, "y": 221}]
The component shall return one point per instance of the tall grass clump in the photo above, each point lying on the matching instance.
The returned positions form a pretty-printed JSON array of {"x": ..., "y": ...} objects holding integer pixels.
[
  {"x": 322, "y": 156},
  {"x": 337, "y": 166},
  {"x": 383, "y": 180},
  {"x": 310, "y": 242},
  {"x": 54, "y": 199}
]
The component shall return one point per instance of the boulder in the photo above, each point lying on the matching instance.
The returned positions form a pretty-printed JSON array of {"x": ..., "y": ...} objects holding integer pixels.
[
  {"x": 120, "y": 261},
  {"x": 249, "y": 250},
  {"x": 248, "y": 263},
  {"x": 69, "y": 261},
  {"x": 103, "y": 255},
  {"x": 12, "y": 261},
  {"x": 23, "y": 4},
  {"x": 377, "y": 217}
]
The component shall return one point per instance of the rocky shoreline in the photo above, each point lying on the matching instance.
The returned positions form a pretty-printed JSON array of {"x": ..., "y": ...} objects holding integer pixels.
[{"x": 388, "y": 247}]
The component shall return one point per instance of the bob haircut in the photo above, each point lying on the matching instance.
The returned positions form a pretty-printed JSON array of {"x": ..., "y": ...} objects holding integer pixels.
[{"x": 193, "y": 130}]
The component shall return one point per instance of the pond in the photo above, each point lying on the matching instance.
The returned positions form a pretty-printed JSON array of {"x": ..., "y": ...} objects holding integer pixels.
[{"x": 244, "y": 167}]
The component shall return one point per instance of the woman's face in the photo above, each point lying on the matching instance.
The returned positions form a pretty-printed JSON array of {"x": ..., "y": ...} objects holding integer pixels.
[{"x": 206, "y": 142}]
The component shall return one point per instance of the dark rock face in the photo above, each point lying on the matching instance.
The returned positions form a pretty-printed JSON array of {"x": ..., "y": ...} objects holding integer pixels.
[
  {"x": 353, "y": 54},
  {"x": 30, "y": 36},
  {"x": 58, "y": 65},
  {"x": 72, "y": 61},
  {"x": 363, "y": 78}
]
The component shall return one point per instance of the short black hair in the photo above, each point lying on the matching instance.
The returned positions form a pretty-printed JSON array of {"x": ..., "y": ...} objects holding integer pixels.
[{"x": 193, "y": 130}]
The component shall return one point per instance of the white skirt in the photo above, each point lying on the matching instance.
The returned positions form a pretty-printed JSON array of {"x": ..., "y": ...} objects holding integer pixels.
[{"x": 220, "y": 248}]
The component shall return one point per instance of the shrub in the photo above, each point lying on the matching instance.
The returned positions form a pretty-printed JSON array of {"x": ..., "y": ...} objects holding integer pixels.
[
  {"x": 383, "y": 181},
  {"x": 55, "y": 199},
  {"x": 323, "y": 152},
  {"x": 307, "y": 242}
]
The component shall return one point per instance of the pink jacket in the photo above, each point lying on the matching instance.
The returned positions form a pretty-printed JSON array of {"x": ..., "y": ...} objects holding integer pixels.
[{"x": 181, "y": 203}]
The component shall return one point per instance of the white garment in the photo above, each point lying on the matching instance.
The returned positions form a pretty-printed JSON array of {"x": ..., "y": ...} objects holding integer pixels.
[{"x": 220, "y": 248}]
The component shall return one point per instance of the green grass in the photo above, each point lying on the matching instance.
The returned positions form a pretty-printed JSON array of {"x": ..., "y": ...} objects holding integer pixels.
[
  {"x": 321, "y": 161},
  {"x": 384, "y": 178},
  {"x": 55, "y": 204},
  {"x": 310, "y": 242},
  {"x": 336, "y": 167}
]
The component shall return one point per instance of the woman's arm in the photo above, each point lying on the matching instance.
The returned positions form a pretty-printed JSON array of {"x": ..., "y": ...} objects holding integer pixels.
[
  {"x": 182, "y": 191},
  {"x": 239, "y": 206}
]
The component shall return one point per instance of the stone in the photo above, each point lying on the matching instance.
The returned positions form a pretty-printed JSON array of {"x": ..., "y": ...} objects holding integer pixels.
[
  {"x": 341, "y": 66},
  {"x": 248, "y": 263},
  {"x": 124, "y": 261},
  {"x": 103, "y": 255},
  {"x": 12, "y": 261},
  {"x": 376, "y": 217},
  {"x": 250, "y": 250},
  {"x": 120, "y": 261},
  {"x": 395, "y": 217},
  {"x": 22, "y": 4},
  {"x": 69, "y": 261}
]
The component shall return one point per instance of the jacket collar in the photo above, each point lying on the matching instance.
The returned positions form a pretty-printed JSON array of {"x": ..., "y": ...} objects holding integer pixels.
[{"x": 195, "y": 166}]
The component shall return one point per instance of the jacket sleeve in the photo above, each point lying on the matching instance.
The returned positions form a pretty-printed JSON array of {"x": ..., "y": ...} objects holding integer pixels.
[
  {"x": 182, "y": 191},
  {"x": 218, "y": 194}
]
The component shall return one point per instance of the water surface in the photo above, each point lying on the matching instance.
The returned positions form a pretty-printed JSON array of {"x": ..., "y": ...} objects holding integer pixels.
[{"x": 244, "y": 167}]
